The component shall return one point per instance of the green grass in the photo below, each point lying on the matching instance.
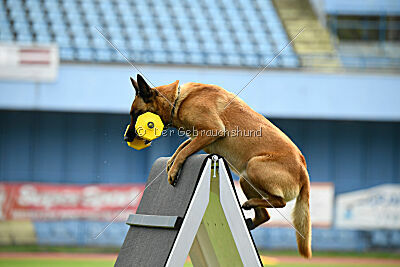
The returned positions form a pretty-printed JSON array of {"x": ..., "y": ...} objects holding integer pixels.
[
  {"x": 271, "y": 253},
  {"x": 53, "y": 262},
  {"x": 326, "y": 265},
  {"x": 64, "y": 249},
  {"x": 107, "y": 263},
  {"x": 341, "y": 254}
]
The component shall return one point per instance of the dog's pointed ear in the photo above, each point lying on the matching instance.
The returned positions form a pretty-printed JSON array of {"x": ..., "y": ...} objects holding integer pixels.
[
  {"x": 135, "y": 85},
  {"x": 145, "y": 90}
]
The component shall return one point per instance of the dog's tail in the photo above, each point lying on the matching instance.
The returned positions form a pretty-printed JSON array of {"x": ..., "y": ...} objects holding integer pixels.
[{"x": 301, "y": 218}]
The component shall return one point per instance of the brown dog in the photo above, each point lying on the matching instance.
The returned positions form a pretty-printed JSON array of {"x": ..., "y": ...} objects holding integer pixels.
[{"x": 270, "y": 164}]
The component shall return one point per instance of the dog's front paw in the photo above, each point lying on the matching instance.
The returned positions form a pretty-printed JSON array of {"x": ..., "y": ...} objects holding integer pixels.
[
  {"x": 173, "y": 174},
  {"x": 169, "y": 163}
]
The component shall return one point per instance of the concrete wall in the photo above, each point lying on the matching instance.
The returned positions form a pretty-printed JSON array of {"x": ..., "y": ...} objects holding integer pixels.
[
  {"x": 280, "y": 94},
  {"x": 89, "y": 148}
]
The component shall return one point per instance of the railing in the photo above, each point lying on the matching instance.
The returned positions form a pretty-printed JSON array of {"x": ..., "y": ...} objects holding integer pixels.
[{"x": 365, "y": 28}]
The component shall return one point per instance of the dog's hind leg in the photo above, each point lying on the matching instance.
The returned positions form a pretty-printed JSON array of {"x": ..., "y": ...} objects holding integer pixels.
[
  {"x": 273, "y": 181},
  {"x": 261, "y": 214},
  {"x": 269, "y": 202}
]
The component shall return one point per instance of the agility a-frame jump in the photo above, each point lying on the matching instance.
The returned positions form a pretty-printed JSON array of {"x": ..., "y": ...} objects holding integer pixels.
[{"x": 200, "y": 217}]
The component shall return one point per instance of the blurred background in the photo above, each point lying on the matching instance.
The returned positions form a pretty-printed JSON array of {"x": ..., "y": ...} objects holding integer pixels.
[{"x": 65, "y": 97}]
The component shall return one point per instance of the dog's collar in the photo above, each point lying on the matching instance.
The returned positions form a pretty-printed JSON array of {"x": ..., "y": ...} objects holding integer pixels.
[{"x": 174, "y": 107}]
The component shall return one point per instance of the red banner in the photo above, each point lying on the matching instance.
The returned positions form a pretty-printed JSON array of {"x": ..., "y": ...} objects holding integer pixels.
[{"x": 37, "y": 201}]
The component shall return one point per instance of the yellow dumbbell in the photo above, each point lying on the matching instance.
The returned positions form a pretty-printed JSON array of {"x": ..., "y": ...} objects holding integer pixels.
[{"x": 148, "y": 127}]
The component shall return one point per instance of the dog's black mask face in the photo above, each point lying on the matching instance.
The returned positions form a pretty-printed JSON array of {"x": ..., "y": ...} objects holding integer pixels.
[
  {"x": 145, "y": 95},
  {"x": 131, "y": 132}
]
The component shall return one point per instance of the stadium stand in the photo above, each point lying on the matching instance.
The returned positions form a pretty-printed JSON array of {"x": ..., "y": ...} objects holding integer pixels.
[
  {"x": 370, "y": 55},
  {"x": 166, "y": 32},
  {"x": 367, "y": 32},
  {"x": 314, "y": 46}
]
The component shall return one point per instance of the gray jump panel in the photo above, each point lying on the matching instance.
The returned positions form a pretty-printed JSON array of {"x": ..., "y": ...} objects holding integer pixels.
[{"x": 150, "y": 246}]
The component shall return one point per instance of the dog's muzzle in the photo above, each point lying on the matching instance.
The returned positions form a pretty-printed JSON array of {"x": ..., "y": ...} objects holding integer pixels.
[
  {"x": 148, "y": 127},
  {"x": 130, "y": 134}
]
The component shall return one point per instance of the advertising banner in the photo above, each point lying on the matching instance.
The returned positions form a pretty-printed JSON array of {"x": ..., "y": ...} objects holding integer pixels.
[
  {"x": 37, "y": 201},
  {"x": 41, "y": 201},
  {"x": 374, "y": 208},
  {"x": 38, "y": 63}
]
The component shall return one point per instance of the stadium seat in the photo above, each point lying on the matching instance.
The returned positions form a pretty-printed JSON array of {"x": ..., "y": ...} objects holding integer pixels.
[{"x": 167, "y": 31}]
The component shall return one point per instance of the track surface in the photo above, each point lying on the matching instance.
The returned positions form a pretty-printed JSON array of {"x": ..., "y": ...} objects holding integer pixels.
[{"x": 266, "y": 260}]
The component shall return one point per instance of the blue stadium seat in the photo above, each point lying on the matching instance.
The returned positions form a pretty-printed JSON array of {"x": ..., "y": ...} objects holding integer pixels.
[
  {"x": 114, "y": 235},
  {"x": 160, "y": 57},
  {"x": 5, "y": 26},
  {"x": 193, "y": 46},
  {"x": 291, "y": 61},
  {"x": 155, "y": 44},
  {"x": 43, "y": 38},
  {"x": 80, "y": 42},
  {"x": 197, "y": 58},
  {"x": 63, "y": 40},
  {"x": 57, "y": 232},
  {"x": 224, "y": 33},
  {"x": 93, "y": 20},
  {"x": 136, "y": 44},
  {"x": 233, "y": 59},
  {"x": 104, "y": 55},
  {"x": 6, "y": 36},
  {"x": 174, "y": 44},
  {"x": 55, "y": 18},
  {"x": 177, "y": 57},
  {"x": 24, "y": 38},
  {"x": 85, "y": 54},
  {"x": 38, "y": 26},
  {"x": 59, "y": 28},
  {"x": 395, "y": 239},
  {"x": 99, "y": 42}
]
